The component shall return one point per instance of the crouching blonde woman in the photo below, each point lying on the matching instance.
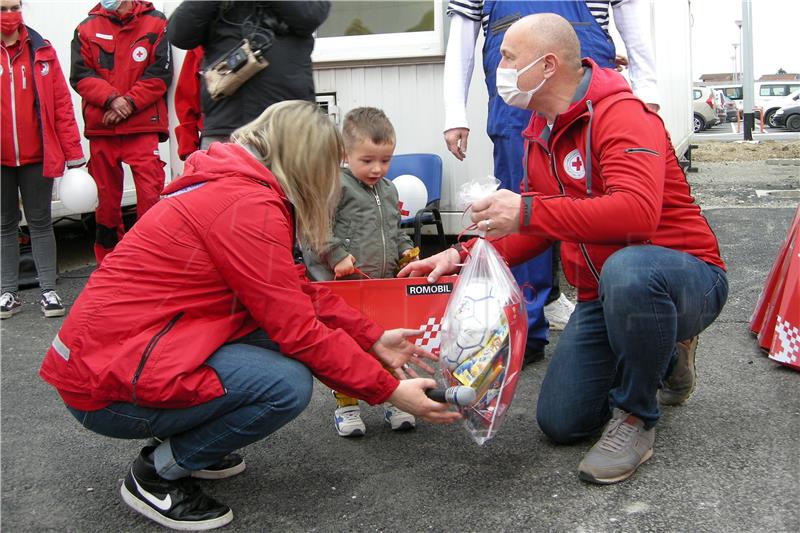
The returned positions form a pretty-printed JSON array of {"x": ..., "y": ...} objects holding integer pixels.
[{"x": 201, "y": 330}]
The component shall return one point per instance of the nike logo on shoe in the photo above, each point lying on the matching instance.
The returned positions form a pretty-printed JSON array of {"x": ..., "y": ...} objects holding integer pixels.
[{"x": 161, "y": 503}]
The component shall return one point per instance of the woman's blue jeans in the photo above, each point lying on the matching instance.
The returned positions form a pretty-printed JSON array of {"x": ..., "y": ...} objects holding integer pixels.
[
  {"x": 263, "y": 391},
  {"x": 617, "y": 350}
]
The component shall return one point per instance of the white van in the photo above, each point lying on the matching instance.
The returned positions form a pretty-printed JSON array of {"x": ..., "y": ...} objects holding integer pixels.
[
  {"x": 733, "y": 91},
  {"x": 772, "y": 95}
]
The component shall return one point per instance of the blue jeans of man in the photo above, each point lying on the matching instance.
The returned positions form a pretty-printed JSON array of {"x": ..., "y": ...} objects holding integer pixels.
[
  {"x": 263, "y": 391},
  {"x": 617, "y": 350}
]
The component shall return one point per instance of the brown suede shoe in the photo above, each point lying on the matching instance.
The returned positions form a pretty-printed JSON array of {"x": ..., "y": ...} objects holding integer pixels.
[{"x": 680, "y": 383}]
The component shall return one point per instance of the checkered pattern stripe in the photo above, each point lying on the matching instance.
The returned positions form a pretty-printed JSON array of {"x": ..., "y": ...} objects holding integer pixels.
[
  {"x": 430, "y": 338},
  {"x": 788, "y": 338}
]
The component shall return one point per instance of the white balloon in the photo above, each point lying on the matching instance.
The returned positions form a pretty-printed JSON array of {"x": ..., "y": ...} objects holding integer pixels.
[
  {"x": 412, "y": 193},
  {"x": 77, "y": 191}
]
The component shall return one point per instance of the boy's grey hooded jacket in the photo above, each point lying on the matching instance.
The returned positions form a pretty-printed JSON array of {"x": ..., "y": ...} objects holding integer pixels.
[{"x": 367, "y": 225}]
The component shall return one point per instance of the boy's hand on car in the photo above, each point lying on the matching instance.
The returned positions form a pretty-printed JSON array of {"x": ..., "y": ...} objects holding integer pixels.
[
  {"x": 409, "y": 396},
  {"x": 345, "y": 267},
  {"x": 412, "y": 254}
]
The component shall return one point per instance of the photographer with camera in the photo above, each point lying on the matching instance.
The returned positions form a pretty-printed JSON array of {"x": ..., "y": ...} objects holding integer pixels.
[{"x": 255, "y": 54}]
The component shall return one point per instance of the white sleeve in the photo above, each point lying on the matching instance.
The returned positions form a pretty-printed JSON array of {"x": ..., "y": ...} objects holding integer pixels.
[
  {"x": 459, "y": 60},
  {"x": 632, "y": 19}
]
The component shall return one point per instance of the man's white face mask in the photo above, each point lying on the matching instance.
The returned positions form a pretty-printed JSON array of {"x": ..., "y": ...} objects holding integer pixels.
[{"x": 507, "y": 88}]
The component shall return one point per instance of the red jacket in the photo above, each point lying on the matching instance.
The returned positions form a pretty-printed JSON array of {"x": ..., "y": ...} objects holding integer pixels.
[
  {"x": 210, "y": 262},
  {"x": 40, "y": 99},
  {"x": 187, "y": 104},
  {"x": 636, "y": 192},
  {"x": 129, "y": 58}
]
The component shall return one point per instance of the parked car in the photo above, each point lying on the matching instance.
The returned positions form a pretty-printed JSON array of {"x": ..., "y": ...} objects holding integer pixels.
[
  {"x": 733, "y": 92},
  {"x": 772, "y": 107},
  {"x": 726, "y": 108},
  {"x": 704, "y": 110},
  {"x": 788, "y": 117}
]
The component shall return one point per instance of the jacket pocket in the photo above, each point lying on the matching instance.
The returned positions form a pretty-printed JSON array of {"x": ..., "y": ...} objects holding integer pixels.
[
  {"x": 148, "y": 350},
  {"x": 103, "y": 52}
]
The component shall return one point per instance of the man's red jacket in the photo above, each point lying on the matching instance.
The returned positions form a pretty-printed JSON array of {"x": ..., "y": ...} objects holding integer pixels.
[
  {"x": 210, "y": 262},
  {"x": 128, "y": 57},
  {"x": 607, "y": 177},
  {"x": 40, "y": 87}
]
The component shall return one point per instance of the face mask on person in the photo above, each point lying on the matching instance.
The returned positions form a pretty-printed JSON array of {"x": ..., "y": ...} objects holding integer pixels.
[
  {"x": 110, "y": 5},
  {"x": 508, "y": 88},
  {"x": 10, "y": 22}
]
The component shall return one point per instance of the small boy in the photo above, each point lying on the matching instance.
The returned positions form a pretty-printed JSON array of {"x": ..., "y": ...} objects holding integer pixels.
[{"x": 366, "y": 235}]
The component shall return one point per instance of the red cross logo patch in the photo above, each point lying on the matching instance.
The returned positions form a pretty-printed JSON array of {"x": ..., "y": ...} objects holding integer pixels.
[
  {"x": 574, "y": 165},
  {"x": 403, "y": 212},
  {"x": 139, "y": 54}
]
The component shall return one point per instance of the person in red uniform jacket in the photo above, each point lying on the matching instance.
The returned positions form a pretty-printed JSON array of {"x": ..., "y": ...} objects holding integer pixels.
[
  {"x": 202, "y": 329},
  {"x": 187, "y": 104},
  {"x": 37, "y": 138},
  {"x": 602, "y": 178},
  {"x": 121, "y": 67}
]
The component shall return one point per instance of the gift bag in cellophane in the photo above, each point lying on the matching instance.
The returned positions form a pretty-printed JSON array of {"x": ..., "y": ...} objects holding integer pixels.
[{"x": 484, "y": 330}]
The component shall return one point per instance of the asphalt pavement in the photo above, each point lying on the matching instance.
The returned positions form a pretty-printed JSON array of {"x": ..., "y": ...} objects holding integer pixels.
[{"x": 725, "y": 461}]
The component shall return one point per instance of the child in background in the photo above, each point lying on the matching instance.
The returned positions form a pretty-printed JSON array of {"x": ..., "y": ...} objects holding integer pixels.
[{"x": 366, "y": 235}]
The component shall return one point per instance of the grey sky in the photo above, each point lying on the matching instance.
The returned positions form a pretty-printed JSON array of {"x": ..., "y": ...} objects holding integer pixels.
[{"x": 774, "y": 41}]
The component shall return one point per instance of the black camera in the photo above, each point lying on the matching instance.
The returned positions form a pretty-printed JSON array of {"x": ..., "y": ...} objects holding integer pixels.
[{"x": 236, "y": 59}]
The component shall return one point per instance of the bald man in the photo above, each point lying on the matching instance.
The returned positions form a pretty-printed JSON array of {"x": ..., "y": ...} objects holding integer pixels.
[{"x": 602, "y": 178}]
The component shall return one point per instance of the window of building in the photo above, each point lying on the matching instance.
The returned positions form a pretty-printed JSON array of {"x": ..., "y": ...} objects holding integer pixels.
[{"x": 357, "y": 31}]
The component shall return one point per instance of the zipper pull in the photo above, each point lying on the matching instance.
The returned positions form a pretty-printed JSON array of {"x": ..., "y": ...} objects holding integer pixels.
[
  {"x": 24, "y": 85},
  {"x": 377, "y": 198}
]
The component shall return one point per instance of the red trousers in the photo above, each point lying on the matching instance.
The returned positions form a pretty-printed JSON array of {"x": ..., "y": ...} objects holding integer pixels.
[{"x": 106, "y": 155}]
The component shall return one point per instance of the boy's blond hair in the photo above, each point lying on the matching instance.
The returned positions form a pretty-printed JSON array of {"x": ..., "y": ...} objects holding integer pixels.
[
  {"x": 302, "y": 148},
  {"x": 367, "y": 123}
]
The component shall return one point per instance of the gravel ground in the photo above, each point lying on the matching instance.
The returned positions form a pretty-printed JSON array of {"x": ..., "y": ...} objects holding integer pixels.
[{"x": 717, "y": 151}]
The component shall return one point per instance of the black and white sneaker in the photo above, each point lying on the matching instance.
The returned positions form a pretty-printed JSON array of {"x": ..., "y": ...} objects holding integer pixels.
[
  {"x": 178, "y": 504},
  {"x": 10, "y": 305},
  {"x": 51, "y": 304},
  {"x": 228, "y": 466}
]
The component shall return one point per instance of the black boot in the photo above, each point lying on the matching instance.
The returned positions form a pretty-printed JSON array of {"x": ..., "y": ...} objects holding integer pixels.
[
  {"x": 177, "y": 504},
  {"x": 534, "y": 352}
]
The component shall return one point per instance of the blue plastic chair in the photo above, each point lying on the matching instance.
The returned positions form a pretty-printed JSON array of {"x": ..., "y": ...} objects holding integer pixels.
[{"x": 428, "y": 168}]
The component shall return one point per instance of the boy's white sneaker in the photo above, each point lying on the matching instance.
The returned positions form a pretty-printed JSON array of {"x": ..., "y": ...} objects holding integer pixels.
[
  {"x": 348, "y": 421},
  {"x": 399, "y": 420},
  {"x": 558, "y": 312}
]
